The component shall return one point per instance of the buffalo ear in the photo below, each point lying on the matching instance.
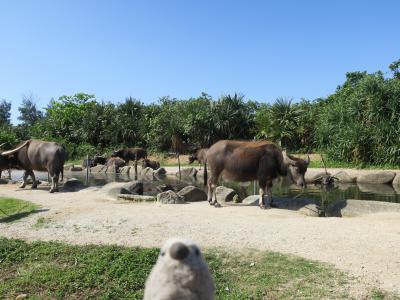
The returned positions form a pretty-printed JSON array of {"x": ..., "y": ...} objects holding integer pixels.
[{"x": 287, "y": 159}]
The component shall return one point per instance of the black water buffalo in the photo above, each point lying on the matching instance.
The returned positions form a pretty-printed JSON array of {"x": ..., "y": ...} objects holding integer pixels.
[
  {"x": 96, "y": 160},
  {"x": 128, "y": 154},
  {"x": 255, "y": 160},
  {"x": 116, "y": 162},
  {"x": 199, "y": 155},
  {"x": 39, "y": 156},
  {"x": 147, "y": 163}
]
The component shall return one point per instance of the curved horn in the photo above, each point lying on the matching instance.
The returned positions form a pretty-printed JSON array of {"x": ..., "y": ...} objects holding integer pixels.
[
  {"x": 16, "y": 149},
  {"x": 287, "y": 159}
]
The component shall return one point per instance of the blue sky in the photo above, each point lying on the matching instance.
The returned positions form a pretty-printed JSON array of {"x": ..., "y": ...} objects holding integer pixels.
[{"x": 149, "y": 49}]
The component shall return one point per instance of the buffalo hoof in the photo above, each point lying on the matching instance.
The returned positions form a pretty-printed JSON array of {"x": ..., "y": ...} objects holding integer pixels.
[
  {"x": 52, "y": 191},
  {"x": 22, "y": 186},
  {"x": 262, "y": 206},
  {"x": 34, "y": 187},
  {"x": 217, "y": 205}
]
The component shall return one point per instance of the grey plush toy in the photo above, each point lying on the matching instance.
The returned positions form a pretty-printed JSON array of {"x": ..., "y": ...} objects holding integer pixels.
[{"x": 180, "y": 273}]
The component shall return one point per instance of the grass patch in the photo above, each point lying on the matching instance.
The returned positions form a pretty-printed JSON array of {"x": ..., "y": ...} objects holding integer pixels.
[
  {"x": 56, "y": 270},
  {"x": 14, "y": 209}
]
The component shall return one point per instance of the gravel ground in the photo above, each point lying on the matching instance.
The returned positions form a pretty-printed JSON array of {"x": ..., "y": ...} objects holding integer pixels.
[{"x": 366, "y": 246}]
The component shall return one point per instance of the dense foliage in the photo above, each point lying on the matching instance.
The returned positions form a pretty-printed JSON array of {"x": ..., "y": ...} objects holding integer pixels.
[{"x": 359, "y": 123}]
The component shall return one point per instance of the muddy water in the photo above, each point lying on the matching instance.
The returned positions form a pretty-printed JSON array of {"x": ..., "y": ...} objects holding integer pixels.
[{"x": 338, "y": 192}]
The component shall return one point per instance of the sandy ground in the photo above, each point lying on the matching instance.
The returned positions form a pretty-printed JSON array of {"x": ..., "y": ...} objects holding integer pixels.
[{"x": 367, "y": 246}]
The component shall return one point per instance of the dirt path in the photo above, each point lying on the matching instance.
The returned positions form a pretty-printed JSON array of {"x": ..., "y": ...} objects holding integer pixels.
[{"x": 367, "y": 246}]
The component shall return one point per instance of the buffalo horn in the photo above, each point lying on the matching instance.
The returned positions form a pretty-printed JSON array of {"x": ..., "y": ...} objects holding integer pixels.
[
  {"x": 9, "y": 152},
  {"x": 308, "y": 159},
  {"x": 287, "y": 159}
]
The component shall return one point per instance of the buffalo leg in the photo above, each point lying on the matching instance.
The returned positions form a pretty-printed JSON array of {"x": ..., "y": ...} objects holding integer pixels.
[
  {"x": 269, "y": 192},
  {"x": 34, "y": 182},
  {"x": 24, "y": 178},
  {"x": 261, "y": 200}
]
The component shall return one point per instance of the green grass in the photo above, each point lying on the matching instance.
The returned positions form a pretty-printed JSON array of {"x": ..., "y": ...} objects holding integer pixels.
[
  {"x": 347, "y": 165},
  {"x": 55, "y": 270},
  {"x": 13, "y": 209}
]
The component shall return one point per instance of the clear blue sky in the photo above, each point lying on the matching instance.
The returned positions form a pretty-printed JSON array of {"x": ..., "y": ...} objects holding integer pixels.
[{"x": 149, "y": 49}]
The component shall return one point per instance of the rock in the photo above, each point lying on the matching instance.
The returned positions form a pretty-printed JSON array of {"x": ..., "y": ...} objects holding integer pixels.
[
  {"x": 132, "y": 171},
  {"x": 384, "y": 189},
  {"x": 113, "y": 189},
  {"x": 310, "y": 210},
  {"x": 147, "y": 173},
  {"x": 4, "y": 181},
  {"x": 187, "y": 172},
  {"x": 191, "y": 194},
  {"x": 252, "y": 200},
  {"x": 376, "y": 177},
  {"x": 21, "y": 296},
  {"x": 351, "y": 208},
  {"x": 165, "y": 187},
  {"x": 136, "y": 198},
  {"x": 170, "y": 197},
  {"x": 73, "y": 185},
  {"x": 225, "y": 194},
  {"x": 98, "y": 169},
  {"x": 76, "y": 169},
  {"x": 312, "y": 176},
  {"x": 135, "y": 187},
  {"x": 396, "y": 180},
  {"x": 160, "y": 171},
  {"x": 125, "y": 170},
  {"x": 111, "y": 169},
  {"x": 343, "y": 177},
  {"x": 67, "y": 167}
]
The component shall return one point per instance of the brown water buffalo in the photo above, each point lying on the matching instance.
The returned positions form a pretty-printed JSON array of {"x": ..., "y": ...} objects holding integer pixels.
[
  {"x": 253, "y": 160},
  {"x": 39, "y": 156},
  {"x": 147, "y": 163},
  {"x": 128, "y": 154},
  {"x": 199, "y": 155},
  {"x": 116, "y": 162}
]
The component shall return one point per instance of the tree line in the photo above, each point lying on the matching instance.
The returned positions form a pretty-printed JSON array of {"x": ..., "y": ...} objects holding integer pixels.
[{"x": 358, "y": 123}]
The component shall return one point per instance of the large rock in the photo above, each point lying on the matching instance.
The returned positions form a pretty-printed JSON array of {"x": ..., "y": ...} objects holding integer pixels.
[
  {"x": 191, "y": 194},
  {"x": 376, "y": 177},
  {"x": 344, "y": 177},
  {"x": 132, "y": 170},
  {"x": 147, "y": 173},
  {"x": 73, "y": 184},
  {"x": 351, "y": 208},
  {"x": 170, "y": 197},
  {"x": 396, "y": 180},
  {"x": 225, "y": 194},
  {"x": 125, "y": 170},
  {"x": 187, "y": 172},
  {"x": 113, "y": 189},
  {"x": 98, "y": 169}
]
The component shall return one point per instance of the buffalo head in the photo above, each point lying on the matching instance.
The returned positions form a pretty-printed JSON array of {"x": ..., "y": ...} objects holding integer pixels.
[{"x": 297, "y": 168}]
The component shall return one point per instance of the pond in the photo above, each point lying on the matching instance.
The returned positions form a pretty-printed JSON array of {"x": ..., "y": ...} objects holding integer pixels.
[{"x": 282, "y": 188}]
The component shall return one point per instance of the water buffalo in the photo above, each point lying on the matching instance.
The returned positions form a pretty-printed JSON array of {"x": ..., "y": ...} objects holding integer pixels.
[
  {"x": 128, "y": 154},
  {"x": 39, "y": 156},
  {"x": 199, "y": 155},
  {"x": 147, "y": 163},
  {"x": 94, "y": 161},
  {"x": 116, "y": 162},
  {"x": 255, "y": 160}
]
